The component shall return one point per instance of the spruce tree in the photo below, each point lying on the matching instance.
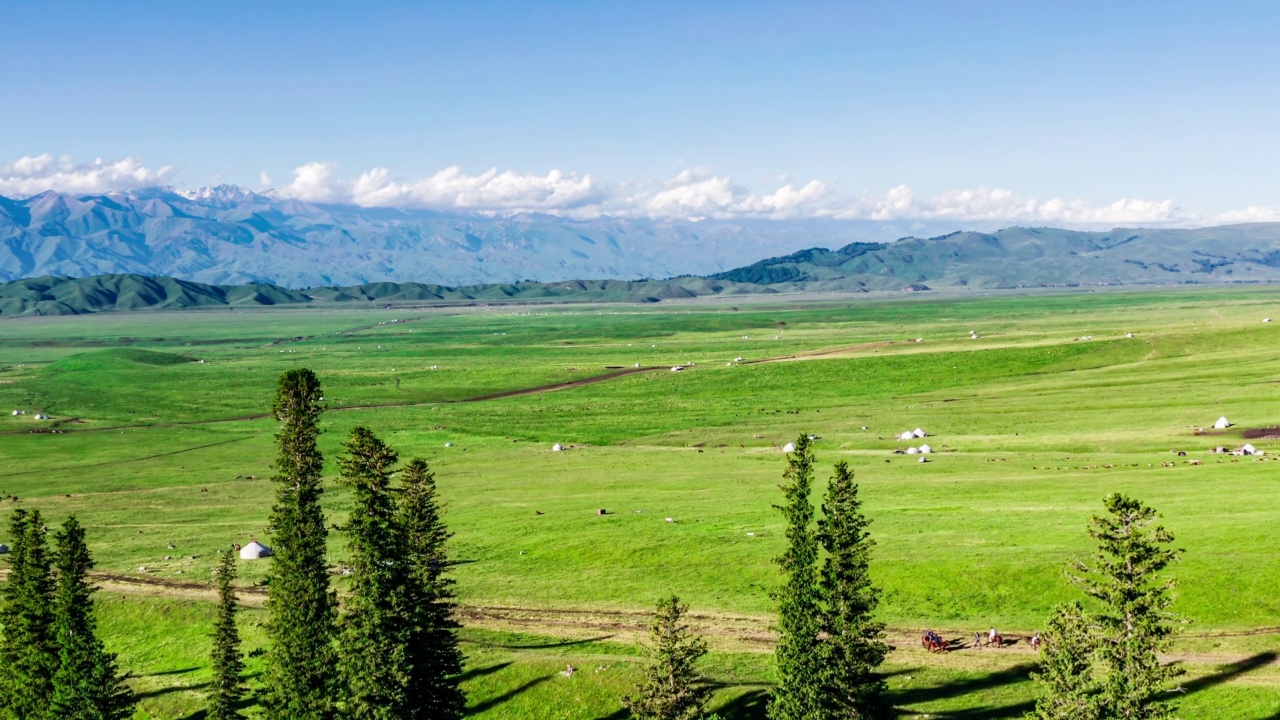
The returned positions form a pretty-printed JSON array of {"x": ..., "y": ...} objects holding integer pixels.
[
  {"x": 227, "y": 687},
  {"x": 798, "y": 695},
  {"x": 87, "y": 685},
  {"x": 28, "y": 650},
  {"x": 435, "y": 658},
  {"x": 1067, "y": 688},
  {"x": 672, "y": 688},
  {"x": 301, "y": 665},
  {"x": 1134, "y": 624},
  {"x": 855, "y": 646},
  {"x": 374, "y": 652}
]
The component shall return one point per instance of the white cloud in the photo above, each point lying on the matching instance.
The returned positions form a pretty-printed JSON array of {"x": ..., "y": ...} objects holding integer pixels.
[
  {"x": 31, "y": 175},
  {"x": 313, "y": 182},
  {"x": 987, "y": 205},
  {"x": 693, "y": 194},
  {"x": 698, "y": 194},
  {"x": 1250, "y": 214},
  {"x": 449, "y": 189}
]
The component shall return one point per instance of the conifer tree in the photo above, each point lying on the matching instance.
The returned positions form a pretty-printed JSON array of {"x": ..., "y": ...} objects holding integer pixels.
[
  {"x": 28, "y": 650},
  {"x": 374, "y": 654},
  {"x": 798, "y": 695},
  {"x": 672, "y": 688},
  {"x": 1134, "y": 624},
  {"x": 435, "y": 658},
  {"x": 227, "y": 687},
  {"x": 855, "y": 647},
  {"x": 1067, "y": 688},
  {"x": 87, "y": 685},
  {"x": 301, "y": 665}
]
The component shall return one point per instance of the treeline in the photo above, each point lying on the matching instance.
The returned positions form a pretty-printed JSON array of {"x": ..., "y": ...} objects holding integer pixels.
[{"x": 392, "y": 651}]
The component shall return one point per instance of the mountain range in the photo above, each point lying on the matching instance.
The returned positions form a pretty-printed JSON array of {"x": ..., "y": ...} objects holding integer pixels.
[
  {"x": 1020, "y": 257},
  {"x": 227, "y": 234},
  {"x": 164, "y": 248}
]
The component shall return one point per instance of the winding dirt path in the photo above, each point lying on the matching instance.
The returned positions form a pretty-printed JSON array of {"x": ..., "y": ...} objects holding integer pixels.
[{"x": 538, "y": 390}]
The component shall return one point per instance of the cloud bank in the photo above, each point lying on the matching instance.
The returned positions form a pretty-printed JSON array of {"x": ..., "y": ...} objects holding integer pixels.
[
  {"x": 30, "y": 175},
  {"x": 693, "y": 194}
]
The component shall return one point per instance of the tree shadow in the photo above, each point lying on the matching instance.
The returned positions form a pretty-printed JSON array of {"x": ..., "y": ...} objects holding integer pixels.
[
  {"x": 482, "y": 671},
  {"x": 158, "y": 692},
  {"x": 496, "y": 701},
  {"x": 539, "y": 646},
  {"x": 162, "y": 673},
  {"x": 747, "y": 706},
  {"x": 966, "y": 686},
  {"x": 1233, "y": 670}
]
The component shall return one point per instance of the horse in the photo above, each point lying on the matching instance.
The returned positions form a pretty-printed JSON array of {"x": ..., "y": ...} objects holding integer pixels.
[{"x": 933, "y": 642}]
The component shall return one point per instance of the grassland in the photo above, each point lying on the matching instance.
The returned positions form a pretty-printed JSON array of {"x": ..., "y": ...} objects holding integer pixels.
[{"x": 1031, "y": 428}]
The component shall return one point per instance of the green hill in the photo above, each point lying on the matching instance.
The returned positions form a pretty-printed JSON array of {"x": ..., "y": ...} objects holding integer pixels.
[{"x": 1031, "y": 257}]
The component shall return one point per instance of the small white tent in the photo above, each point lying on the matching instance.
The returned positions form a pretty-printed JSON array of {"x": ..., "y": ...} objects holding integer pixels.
[
  {"x": 913, "y": 451},
  {"x": 255, "y": 551},
  {"x": 1222, "y": 423},
  {"x": 919, "y": 433},
  {"x": 908, "y": 435},
  {"x": 1248, "y": 449},
  {"x": 925, "y": 449},
  {"x": 557, "y": 447},
  {"x": 789, "y": 447}
]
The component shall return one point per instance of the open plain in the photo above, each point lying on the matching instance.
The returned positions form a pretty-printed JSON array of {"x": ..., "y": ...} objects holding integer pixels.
[{"x": 1036, "y": 406}]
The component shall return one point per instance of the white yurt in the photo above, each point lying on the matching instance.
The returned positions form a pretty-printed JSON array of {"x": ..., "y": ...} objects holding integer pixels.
[
  {"x": 1222, "y": 423},
  {"x": 255, "y": 551},
  {"x": 789, "y": 447}
]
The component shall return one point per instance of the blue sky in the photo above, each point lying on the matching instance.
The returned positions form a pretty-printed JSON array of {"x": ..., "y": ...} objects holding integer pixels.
[{"x": 1170, "y": 105}]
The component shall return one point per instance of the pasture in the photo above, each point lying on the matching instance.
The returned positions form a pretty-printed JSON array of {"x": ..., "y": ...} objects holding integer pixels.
[{"x": 157, "y": 437}]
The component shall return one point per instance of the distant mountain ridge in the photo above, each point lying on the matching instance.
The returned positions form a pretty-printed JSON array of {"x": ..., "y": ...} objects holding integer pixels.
[
  {"x": 162, "y": 247},
  {"x": 108, "y": 293},
  {"x": 1020, "y": 257},
  {"x": 229, "y": 235}
]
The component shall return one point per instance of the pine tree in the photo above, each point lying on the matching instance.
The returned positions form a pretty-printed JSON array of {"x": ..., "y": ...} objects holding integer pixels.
[
  {"x": 436, "y": 660},
  {"x": 1134, "y": 624},
  {"x": 799, "y": 694},
  {"x": 28, "y": 651},
  {"x": 1067, "y": 688},
  {"x": 672, "y": 688},
  {"x": 227, "y": 687},
  {"x": 374, "y": 652},
  {"x": 301, "y": 667},
  {"x": 855, "y": 646},
  {"x": 87, "y": 685}
]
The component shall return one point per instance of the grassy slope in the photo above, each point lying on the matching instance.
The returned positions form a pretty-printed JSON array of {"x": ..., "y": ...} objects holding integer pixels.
[{"x": 1026, "y": 422}]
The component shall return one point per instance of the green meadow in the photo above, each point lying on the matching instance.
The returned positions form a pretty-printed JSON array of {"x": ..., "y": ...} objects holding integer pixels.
[{"x": 157, "y": 437}]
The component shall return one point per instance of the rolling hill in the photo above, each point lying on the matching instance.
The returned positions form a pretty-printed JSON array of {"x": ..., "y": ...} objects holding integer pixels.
[
  {"x": 1030, "y": 257},
  {"x": 107, "y": 293}
]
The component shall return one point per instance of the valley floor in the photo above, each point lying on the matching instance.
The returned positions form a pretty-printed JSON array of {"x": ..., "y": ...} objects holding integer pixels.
[{"x": 157, "y": 437}]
